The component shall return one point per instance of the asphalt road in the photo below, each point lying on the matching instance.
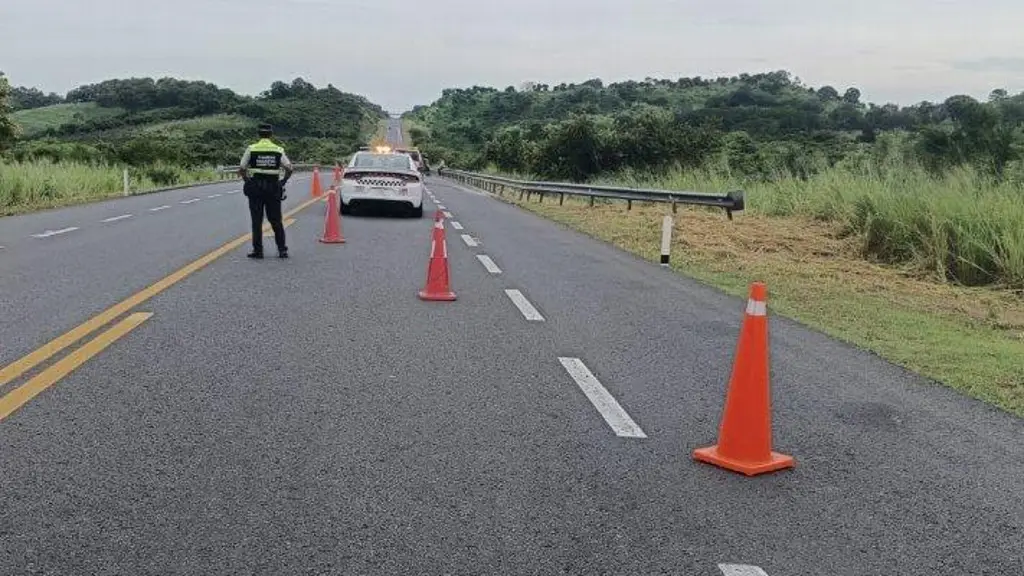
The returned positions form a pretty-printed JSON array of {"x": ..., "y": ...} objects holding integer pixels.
[{"x": 312, "y": 416}]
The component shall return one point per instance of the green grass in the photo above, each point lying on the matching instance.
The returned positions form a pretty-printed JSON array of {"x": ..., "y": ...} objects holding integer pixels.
[
  {"x": 194, "y": 126},
  {"x": 28, "y": 186},
  {"x": 971, "y": 339},
  {"x": 37, "y": 120},
  {"x": 963, "y": 227}
]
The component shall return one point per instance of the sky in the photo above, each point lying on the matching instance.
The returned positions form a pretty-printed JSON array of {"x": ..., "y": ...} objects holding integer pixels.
[{"x": 400, "y": 53}]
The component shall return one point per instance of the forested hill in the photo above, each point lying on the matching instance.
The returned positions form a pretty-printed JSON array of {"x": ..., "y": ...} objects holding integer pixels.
[
  {"x": 752, "y": 125},
  {"x": 142, "y": 121}
]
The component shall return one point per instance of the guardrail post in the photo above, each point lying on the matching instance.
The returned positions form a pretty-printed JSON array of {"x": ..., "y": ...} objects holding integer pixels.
[
  {"x": 541, "y": 196},
  {"x": 561, "y": 198},
  {"x": 127, "y": 189},
  {"x": 666, "y": 239},
  {"x": 591, "y": 201},
  {"x": 674, "y": 206},
  {"x": 629, "y": 204}
]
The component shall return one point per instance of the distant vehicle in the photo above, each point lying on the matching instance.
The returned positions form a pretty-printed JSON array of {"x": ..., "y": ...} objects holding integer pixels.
[
  {"x": 375, "y": 178},
  {"x": 421, "y": 164}
]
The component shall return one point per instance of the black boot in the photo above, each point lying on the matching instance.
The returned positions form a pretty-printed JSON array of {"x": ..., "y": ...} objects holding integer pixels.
[{"x": 255, "y": 255}]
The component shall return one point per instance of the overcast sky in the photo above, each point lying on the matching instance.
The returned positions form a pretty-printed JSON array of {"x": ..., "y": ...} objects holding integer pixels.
[{"x": 400, "y": 53}]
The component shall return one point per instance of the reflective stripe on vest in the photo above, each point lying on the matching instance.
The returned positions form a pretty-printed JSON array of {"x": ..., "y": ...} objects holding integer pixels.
[{"x": 265, "y": 157}]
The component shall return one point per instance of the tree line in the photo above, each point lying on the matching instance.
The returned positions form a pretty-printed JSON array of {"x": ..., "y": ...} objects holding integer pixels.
[
  {"x": 316, "y": 124},
  {"x": 753, "y": 125}
]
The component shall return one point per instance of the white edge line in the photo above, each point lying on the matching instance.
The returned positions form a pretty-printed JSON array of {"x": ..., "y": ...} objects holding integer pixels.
[
  {"x": 456, "y": 225},
  {"x": 49, "y": 233},
  {"x": 610, "y": 410},
  {"x": 741, "y": 570},
  {"x": 488, "y": 263},
  {"x": 116, "y": 218},
  {"x": 469, "y": 240},
  {"x": 527, "y": 309}
]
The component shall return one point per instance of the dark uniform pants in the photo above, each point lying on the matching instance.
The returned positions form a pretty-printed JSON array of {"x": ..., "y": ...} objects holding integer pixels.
[{"x": 265, "y": 195}]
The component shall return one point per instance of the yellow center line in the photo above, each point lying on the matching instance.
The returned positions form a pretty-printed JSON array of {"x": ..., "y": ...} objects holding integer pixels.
[
  {"x": 15, "y": 369},
  {"x": 29, "y": 390}
]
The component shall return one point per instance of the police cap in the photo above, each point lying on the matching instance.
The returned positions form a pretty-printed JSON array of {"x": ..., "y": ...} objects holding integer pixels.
[{"x": 265, "y": 130}]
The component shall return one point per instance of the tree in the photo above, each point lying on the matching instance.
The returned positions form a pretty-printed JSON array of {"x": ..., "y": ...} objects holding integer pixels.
[
  {"x": 8, "y": 129},
  {"x": 828, "y": 94},
  {"x": 852, "y": 96}
]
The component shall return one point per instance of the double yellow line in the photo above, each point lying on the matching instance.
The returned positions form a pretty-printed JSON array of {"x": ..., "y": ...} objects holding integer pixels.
[{"x": 21, "y": 395}]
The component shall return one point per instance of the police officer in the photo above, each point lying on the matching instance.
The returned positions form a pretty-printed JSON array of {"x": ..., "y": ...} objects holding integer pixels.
[{"x": 261, "y": 167}]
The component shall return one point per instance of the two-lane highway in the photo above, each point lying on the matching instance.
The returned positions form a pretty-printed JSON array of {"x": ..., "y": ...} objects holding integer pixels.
[
  {"x": 313, "y": 416},
  {"x": 107, "y": 251}
]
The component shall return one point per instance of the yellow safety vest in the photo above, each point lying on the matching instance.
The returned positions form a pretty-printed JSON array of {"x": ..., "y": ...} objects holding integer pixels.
[{"x": 265, "y": 158}]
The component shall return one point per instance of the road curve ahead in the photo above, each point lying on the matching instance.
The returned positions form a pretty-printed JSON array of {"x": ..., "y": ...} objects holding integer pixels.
[{"x": 313, "y": 416}]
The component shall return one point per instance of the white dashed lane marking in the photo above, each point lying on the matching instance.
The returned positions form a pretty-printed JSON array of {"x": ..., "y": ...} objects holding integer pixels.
[
  {"x": 159, "y": 208},
  {"x": 116, "y": 218},
  {"x": 613, "y": 414},
  {"x": 741, "y": 570},
  {"x": 488, "y": 263},
  {"x": 469, "y": 240},
  {"x": 190, "y": 201},
  {"x": 441, "y": 207},
  {"x": 214, "y": 195},
  {"x": 234, "y": 192},
  {"x": 49, "y": 233},
  {"x": 456, "y": 225},
  {"x": 527, "y": 309},
  {"x": 447, "y": 214}
]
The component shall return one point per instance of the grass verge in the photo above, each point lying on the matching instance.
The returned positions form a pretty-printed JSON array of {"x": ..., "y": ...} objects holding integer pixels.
[
  {"x": 971, "y": 339},
  {"x": 30, "y": 186}
]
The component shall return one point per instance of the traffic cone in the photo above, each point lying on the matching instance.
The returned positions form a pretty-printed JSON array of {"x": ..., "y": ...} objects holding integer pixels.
[
  {"x": 745, "y": 435},
  {"x": 332, "y": 222},
  {"x": 437, "y": 288},
  {"x": 316, "y": 192}
]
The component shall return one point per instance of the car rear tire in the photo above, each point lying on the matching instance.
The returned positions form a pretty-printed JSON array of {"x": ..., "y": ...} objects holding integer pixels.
[
  {"x": 345, "y": 210},
  {"x": 417, "y": 212}
]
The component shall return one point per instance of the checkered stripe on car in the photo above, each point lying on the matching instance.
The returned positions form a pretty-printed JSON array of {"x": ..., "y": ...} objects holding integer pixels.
[{"x": 381, "y": 182}]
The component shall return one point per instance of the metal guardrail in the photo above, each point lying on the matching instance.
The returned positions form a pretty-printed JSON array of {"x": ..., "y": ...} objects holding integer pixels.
[
  {"x": 298, "y": 168},
  {"x": 730, "y": 201}
]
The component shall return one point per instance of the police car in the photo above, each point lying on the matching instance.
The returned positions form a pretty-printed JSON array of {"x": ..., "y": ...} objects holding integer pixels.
[{"x": 383, "y": 178}]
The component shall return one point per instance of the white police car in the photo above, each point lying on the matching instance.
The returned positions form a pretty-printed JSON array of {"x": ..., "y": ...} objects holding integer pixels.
[{"x": 381, "y": 178}]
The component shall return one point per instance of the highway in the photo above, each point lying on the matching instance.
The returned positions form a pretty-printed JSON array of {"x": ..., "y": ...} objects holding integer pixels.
[{"x": 313, "y": 416}]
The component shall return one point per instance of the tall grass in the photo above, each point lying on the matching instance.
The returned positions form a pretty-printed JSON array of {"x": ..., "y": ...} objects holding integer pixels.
[
  {"x": 964, "y": 226},
  {"x": 26, "y": 186}
]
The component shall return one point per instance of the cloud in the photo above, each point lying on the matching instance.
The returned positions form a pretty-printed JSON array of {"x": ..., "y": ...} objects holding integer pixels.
[
  {"x": 991, "y": 64},
  {"x": 400, "y": 53}
]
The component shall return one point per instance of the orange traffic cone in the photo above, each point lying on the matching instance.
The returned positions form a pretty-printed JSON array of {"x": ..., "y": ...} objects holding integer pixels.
[
  {"x": 332, "y": 222},
  {"x": 316, "y": 191},
  {"x": 745, "y": 436},
  {"x": 437, "y": 287}
]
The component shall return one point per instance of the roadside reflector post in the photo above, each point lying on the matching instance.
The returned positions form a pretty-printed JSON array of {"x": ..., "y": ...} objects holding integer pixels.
[
  {"x": 126, "y": 189},
  {"x": 666, "y": 239}
]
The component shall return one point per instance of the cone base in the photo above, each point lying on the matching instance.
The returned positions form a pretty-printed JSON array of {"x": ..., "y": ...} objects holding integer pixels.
[
  {"x": 437, "y": 296},
  {"x": 775, "y": 462},
  {"x": 332, "y": 240}
]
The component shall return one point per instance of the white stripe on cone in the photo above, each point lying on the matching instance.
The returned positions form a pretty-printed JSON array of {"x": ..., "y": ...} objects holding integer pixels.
[{"x": 755, "y": 308}]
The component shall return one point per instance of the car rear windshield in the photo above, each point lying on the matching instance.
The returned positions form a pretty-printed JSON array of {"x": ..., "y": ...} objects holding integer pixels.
[{"x": 391, "y": 161}]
